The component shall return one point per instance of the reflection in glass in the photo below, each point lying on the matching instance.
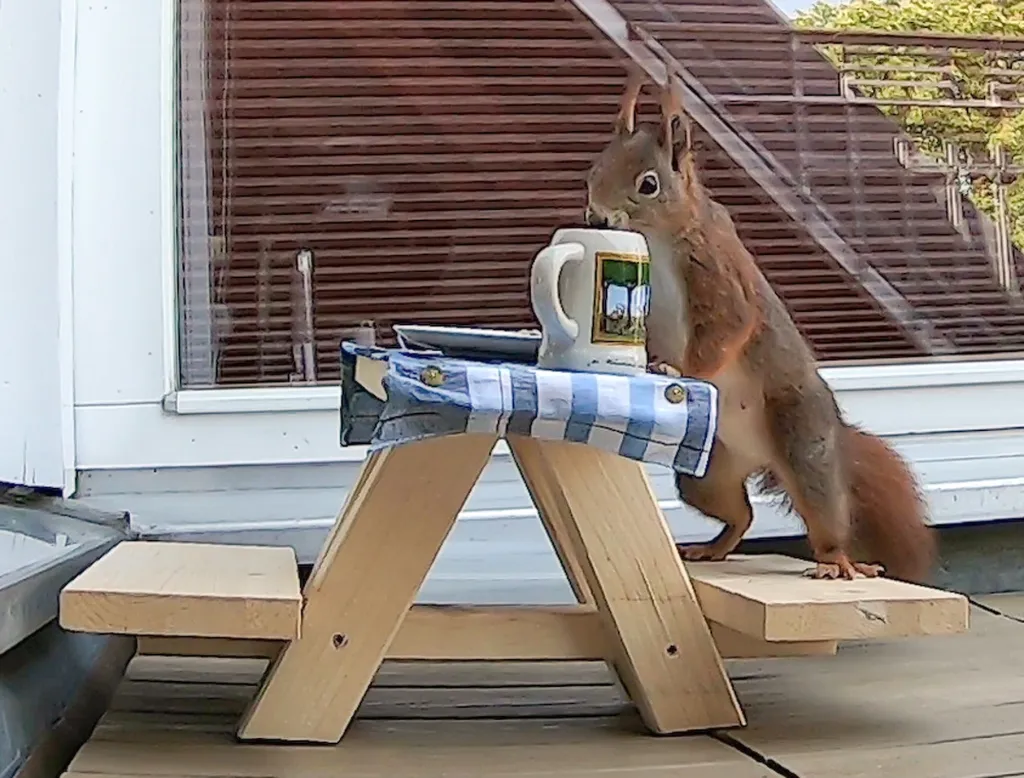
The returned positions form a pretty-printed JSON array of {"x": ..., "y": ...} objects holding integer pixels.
[{"x": 360, "y": 165}]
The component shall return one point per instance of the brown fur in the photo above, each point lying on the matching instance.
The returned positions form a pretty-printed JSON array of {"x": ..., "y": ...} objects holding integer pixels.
[
  {"x": 721, "y": 282},
  {"x": 715, "y": 316},
  {"x": 887, "y": 508}
]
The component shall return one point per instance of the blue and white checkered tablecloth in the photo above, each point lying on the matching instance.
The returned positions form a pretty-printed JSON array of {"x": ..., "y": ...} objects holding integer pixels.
[{"x": 648, "y": 418}]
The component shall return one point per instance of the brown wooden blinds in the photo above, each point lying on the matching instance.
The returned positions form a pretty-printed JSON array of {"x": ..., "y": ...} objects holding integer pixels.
[{"x": 402, "y": 162}]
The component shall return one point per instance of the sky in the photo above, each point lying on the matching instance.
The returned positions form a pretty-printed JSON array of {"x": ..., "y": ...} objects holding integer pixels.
[{"x": 792, "y": 6}]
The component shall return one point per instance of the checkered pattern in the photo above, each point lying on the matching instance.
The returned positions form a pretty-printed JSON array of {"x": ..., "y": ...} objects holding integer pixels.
[{"x": 648, "y": 418}]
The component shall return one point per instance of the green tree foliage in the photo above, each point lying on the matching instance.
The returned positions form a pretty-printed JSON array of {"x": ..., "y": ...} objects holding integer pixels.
[{"x": 974, "y": 129}]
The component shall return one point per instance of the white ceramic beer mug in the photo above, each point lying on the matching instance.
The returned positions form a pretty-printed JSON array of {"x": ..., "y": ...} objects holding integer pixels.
[{"x": 591, "y": 292}]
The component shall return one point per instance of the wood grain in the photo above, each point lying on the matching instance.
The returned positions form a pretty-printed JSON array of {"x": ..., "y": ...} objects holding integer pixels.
[
  {"x": 662, "y": 646},
  {"x": 365, "y": 581},
  {"x": 934, "y": 707},
  {"x": 502, "y": 633},
  {"x": 768, "y": 597},
  {"x": 159, "y": 588},
  {"x": 1009, "y": 604},
  {"x": 454, "y": 749}
]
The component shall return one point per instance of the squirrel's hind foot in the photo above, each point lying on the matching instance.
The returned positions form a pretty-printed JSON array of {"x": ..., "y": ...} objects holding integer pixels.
[
  {"x": 844, "y": 568},
  {"x": 705, "y": 552}
]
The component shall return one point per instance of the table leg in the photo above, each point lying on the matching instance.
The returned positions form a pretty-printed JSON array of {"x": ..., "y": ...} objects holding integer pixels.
[
  {"x": 365, "y": 580},
  {"x": 665, "y": 654},
  {"x": 552, "y": 509}
]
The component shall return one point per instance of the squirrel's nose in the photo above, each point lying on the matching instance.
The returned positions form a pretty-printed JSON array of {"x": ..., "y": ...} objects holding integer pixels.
[{"x": 593, "y": 220}]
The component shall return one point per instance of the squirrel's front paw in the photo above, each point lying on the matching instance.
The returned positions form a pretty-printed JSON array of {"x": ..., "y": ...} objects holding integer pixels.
[{"x": 664, "y": 368}]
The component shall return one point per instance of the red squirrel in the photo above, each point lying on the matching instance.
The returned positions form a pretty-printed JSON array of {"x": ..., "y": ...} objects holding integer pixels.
[{"x": 714, "y": 316}]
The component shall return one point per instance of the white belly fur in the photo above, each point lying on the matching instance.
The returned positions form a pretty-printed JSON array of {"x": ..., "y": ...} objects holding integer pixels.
[
  {"x": 742, "y": 426},
  {"x": 667, "y": 327},
  {"x": 741, "y": 418}
]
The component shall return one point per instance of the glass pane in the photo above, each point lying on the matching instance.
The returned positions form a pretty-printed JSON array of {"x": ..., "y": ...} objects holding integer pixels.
[
  {"x": 31, "y": 540},
  {"x": 365, "y": 164}
]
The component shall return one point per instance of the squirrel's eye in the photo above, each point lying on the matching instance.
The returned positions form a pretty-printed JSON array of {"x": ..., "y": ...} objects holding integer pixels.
[{"x": 648, "y": 184}]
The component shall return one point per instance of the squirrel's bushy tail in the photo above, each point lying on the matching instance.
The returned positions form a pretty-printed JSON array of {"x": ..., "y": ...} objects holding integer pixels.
[{"x": 887, "y": 508}]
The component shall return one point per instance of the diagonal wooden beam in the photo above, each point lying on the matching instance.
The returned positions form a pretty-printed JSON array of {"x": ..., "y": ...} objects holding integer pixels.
[
  {"x": 659, "y": 642},
  {"x": 365, "y": 580},
  {"x": 750, "y": 154}
]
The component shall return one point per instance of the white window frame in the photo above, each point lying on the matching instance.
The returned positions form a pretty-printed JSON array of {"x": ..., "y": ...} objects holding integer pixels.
[{"x": 129, "y": 412}]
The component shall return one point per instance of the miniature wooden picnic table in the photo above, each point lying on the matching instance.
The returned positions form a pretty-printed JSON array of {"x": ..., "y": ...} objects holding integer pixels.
[{"x": 580, "y": 441}]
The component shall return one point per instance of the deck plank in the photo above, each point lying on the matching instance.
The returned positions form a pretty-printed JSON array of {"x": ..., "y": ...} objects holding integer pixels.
[
  {"x": 999, "y": 757},
  {"x": 388, "y": 702},
  {"x": 1011, "y": 605},
  {"x": 932, "y": 708},
  {"x": 432, "y": 748},
  {"x": 937, "y": 707},
  {"x": 391, "y": 673},
  {"x": 542, "y": 718}
]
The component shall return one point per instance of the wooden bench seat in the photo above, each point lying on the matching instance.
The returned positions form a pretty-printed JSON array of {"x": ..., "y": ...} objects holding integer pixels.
[
  {"x": 192, "y": 590},
  {"x": 768, "y": 597},
  {"x": 187, "y": 589}
]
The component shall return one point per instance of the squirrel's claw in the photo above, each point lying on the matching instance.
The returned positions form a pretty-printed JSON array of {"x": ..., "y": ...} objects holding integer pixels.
[
  {"x": 702, "y": 553},
  {"x": 844, "y": 568},
  {"x": 664, "y": 368}
]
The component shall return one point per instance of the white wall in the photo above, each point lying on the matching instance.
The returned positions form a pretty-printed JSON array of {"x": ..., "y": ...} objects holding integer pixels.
[{"x": 36, "y": 425}]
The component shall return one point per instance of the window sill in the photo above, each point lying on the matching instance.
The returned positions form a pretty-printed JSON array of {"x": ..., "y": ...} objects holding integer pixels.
[
  {"x": 289, "y": 399},
  {"x": 276, "y": 399},
  {"x": 286, "y": 425},
  {"x": 270, "y": 399},
  {"x": 919, "y": 375}
]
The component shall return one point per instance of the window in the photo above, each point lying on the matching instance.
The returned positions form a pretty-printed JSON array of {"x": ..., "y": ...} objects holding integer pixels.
[{"x": 386, "y": 162}]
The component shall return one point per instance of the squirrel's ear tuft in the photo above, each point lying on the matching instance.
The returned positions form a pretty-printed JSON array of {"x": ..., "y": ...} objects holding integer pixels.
[
  {"x": 682, "y": 143},
  {"x": 671, "y": 113},
  {"x": 686, "y": 166},
  {"x": 625, "y": 120}
]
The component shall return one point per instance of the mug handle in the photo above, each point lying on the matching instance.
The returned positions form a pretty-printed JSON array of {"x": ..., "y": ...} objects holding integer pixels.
[{"x": 544, "y": 275}]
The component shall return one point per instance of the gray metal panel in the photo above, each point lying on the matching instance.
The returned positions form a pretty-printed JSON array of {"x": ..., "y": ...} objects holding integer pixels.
[
  {"x": 39, "y": 553},
  {"x": 39, "y": 680}
]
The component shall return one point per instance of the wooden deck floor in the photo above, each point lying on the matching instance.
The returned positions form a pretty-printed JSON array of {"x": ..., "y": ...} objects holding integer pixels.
[{"x": 950, "y": 707}]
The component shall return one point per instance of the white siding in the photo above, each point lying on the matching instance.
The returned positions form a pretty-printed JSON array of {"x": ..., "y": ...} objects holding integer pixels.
[{"x": 35, "y": 406}]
